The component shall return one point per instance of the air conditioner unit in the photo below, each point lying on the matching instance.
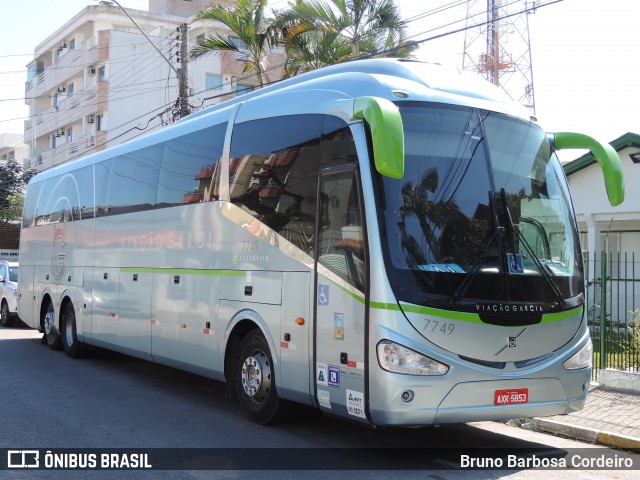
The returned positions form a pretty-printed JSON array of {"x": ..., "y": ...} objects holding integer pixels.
[
  {"x": 60, "y": 132},
  {"x": 63, "y": 45},
  {"x": 91, "y": 118},
  {"x": 62, "y": 89},
  {"x": 92, "y": 70}
]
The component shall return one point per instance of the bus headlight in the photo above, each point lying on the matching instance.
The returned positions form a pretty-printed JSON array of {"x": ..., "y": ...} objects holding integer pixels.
[
  {"x": 398, "y": 359},
  {"x": 582, "y": 359}
]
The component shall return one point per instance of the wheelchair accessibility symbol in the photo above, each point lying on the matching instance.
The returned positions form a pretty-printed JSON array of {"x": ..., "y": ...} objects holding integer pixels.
[{"x": 323, "y": 294}]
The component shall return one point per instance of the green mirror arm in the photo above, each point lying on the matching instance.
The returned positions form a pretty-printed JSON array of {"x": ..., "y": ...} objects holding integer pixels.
[
  {"x": 604, "y": 154},
  {"x": 387, "y": 133}
]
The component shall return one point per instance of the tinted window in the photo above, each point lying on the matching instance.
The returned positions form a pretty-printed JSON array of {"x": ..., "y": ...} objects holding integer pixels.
[
  {"x": 101, "y": 170},
  {"x": 30, "y": 204},
  {"x": 273, "y": 173},
  {"x": 133, "y": 180},
  {"x": 188, "y": 173},
  {"x": 84, "y": 180},
  {"x": 61, "y": 199}
]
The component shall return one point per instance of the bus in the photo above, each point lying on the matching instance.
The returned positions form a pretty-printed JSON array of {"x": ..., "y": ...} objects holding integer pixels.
[{"x": 386, "y": 240}]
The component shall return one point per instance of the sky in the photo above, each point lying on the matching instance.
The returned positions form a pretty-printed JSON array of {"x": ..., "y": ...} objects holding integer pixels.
[{"x": 586, "y": 67}]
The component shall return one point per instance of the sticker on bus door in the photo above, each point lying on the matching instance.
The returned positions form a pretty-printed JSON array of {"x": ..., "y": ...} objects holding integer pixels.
[
  {"x": 511, "y": 397},
  {"x": 355, "y": 403}
]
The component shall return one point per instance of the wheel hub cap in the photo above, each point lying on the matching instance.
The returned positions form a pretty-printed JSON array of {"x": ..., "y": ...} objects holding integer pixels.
[
  {"x": 49, "y": 323},
  {"x": 256, "y": 377}
]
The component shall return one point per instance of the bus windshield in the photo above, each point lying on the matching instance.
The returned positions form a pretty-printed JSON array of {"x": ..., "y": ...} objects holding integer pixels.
[{"x": 482, "y": 216}]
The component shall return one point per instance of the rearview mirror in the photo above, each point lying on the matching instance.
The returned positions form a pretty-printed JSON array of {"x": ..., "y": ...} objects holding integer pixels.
[
  {"x": 387, "y": 134},
  {"x": 604, "y": 154}
]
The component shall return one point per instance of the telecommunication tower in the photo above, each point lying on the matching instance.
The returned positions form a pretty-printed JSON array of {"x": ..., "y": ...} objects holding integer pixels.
[{"x": 497, "y": 46}]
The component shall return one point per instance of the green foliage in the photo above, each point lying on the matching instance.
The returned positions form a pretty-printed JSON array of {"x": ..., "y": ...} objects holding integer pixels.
[
  {"x": 314, "y": 33},
  {"x": 318, "y": 33},
  {"x": 11, "y": 209},
  {"x": 13, "y": 179},
  {"x": 249, "y": 24}
]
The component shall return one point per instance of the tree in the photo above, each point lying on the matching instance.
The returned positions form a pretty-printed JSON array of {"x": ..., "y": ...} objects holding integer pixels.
[
  {"x": 253, "y": 34},
  {"x": 13, "y": 179},
  {"x": 371, "y": 28},
  {"x": 11, "y": 209}
]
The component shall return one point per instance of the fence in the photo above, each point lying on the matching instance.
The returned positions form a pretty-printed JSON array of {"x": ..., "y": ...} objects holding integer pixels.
[{"x": 613, "y": 310}]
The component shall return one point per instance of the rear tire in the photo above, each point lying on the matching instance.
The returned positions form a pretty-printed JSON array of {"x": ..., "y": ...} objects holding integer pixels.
[
  {"x": 70, "y": 343},
  {"x": 5, "y": 319},
  {"x": 51, "y": 334},
  {"x": 255, "y": 381}
]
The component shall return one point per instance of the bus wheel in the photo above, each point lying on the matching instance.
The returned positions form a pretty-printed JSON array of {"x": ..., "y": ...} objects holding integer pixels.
[
  {"x": 70, "y": 341},
  {"x": 50, "y": 331},
  {"x": 5, "y": 319},
  {"x": 255, "y": 381}
]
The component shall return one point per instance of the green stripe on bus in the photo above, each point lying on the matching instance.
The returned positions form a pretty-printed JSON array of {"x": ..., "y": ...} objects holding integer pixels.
[
  {"x": 467, "y": 317},
  {"x": 185, "y": 271}
]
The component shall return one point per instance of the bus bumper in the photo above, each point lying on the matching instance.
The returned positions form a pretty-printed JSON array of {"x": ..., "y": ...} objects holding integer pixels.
[{"x": 469, "y": 401}]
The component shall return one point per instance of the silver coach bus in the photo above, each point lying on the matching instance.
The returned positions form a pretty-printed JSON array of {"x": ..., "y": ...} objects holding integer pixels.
[{"x": 385, "y": 240}]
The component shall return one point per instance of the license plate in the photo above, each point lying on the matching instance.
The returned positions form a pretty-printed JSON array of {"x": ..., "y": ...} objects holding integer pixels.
[{"x": 511, "y": 397}]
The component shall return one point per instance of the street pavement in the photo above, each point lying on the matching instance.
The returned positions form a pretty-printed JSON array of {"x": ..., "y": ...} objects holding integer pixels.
[{"x": 610, "y": 417}]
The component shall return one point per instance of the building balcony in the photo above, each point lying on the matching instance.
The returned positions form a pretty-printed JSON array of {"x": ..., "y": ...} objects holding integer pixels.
[
  {"x": 70, "y": 110},
  {"x": 66, "y": 152},
  {"x": 71, "y": 63}
]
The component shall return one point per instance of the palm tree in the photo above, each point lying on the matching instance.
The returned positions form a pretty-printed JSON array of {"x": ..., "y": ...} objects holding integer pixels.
[
  {"x": 369, "y": 27},
  {"x": 251, "y": 27},
  {"x": 312, "y": 50}
]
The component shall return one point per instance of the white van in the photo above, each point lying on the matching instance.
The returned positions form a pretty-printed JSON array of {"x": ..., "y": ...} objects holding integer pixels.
[{"x": 8, "y": 292}]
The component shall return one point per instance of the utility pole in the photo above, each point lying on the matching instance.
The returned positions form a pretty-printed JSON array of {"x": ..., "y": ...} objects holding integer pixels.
[
  {"x": 183, "y": 96},
  {"x": 182, "y": 103}
]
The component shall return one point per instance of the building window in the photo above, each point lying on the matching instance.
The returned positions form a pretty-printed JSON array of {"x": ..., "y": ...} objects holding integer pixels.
[
  {"x": 242, "y": 88},
  {"x": 71, "y": 90},
  {"x": 69, "y": 135},
  {"x": 240, "y": 45},
  {"x": 102, "y": 73},
  {"x": 212, "y": 81},
  {"x": 56, "y": 100},
  {"x": 100, "y": 124},
  {"x": 72, "y": 44}
]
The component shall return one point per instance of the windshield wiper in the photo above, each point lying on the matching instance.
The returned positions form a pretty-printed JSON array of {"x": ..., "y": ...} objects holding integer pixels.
[
  {"x": 498, "y": 234},
  {"x": 503, "y": 224},
  {"x": 515, "y": 235}
]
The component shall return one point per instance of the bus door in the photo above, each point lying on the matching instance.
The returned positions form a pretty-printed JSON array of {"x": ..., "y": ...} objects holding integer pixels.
[{"x": 340, "y": 325}]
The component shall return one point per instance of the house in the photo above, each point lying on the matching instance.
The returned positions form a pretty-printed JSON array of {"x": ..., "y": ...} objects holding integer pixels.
[
  {"x": 600, "y": 223},
  {"x": 614, "y": 230}
]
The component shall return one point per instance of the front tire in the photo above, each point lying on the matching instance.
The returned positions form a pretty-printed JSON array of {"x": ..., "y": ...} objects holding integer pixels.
[
  {"x": 255, "y": 381},
  {"x": 70, "y": 343},
  {"x": 5, "y": 318},
  {"x": 51, "y": 334}
]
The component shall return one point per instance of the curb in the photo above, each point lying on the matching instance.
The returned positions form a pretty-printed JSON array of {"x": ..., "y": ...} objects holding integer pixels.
[{"x": 590, "y": 435}]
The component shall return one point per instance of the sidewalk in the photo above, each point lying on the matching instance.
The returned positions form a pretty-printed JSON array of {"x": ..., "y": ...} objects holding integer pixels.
[{"x": 610, "y": 417}]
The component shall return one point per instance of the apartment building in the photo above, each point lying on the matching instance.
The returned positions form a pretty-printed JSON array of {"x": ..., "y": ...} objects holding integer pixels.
[
  {"x": 97, "y": 81},
  {"x": 12, "y": 147}
]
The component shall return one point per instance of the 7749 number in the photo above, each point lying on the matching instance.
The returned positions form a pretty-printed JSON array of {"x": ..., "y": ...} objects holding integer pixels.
[{"x": 437, "y": 326}]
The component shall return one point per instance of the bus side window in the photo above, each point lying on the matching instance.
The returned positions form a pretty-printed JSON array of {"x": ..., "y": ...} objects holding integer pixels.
[
  {"x": 101, "y": 172},
  {"x": 133, "y": 181},
  {"x": 31, "y": 202},
  {"x": 84, "y": 208},
  {"x": 189, "y": 167},
  {"x": 273, "y": 174}
]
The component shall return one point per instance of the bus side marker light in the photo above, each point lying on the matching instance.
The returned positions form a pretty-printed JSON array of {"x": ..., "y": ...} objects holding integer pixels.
[{"x": 300, "y": 321}]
